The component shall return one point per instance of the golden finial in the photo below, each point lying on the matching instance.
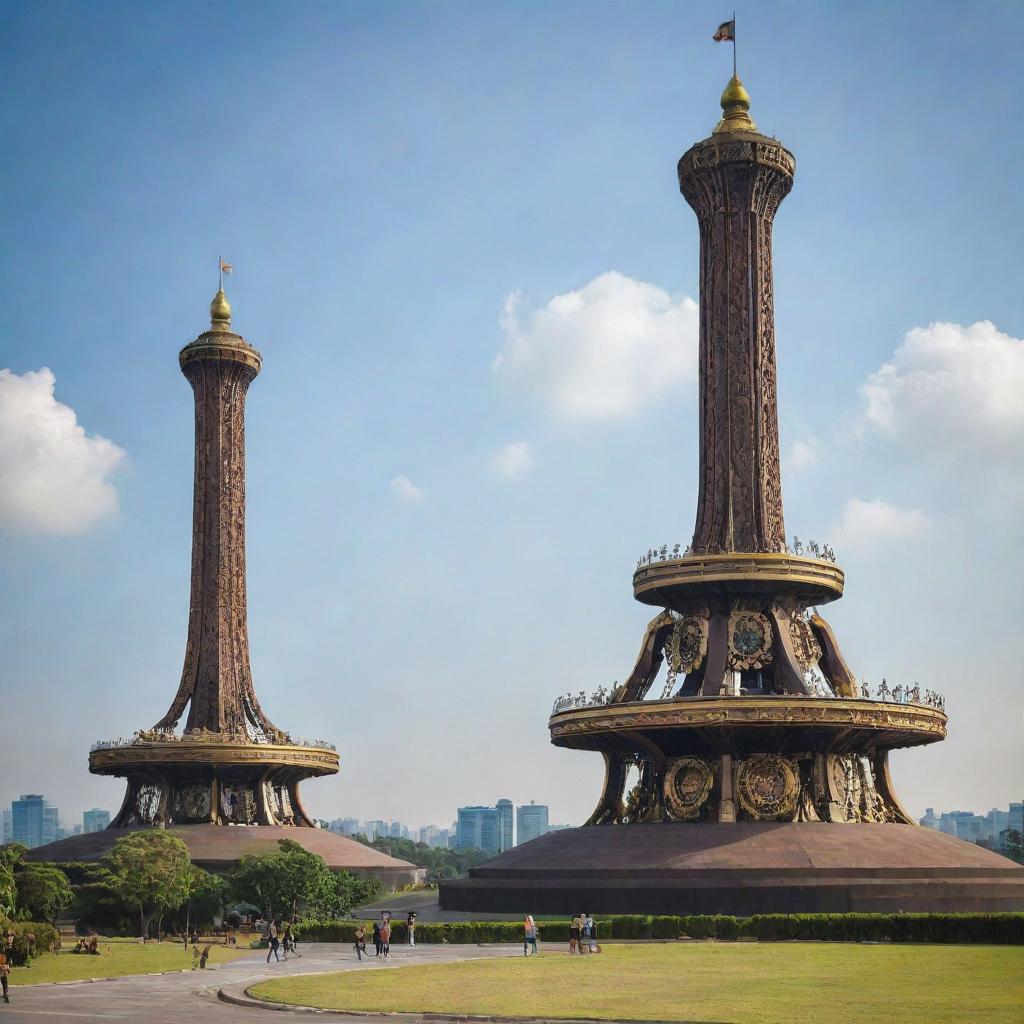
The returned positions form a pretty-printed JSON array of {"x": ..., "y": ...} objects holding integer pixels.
[
  {"x": 735, "y": 104},
  {"x": 220, "y": 308}
]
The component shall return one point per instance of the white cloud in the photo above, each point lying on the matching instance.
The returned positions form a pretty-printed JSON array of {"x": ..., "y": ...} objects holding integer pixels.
[
  {"x": 864, "y": 523},
  {"x": 951, "y": 389},
  {"x": 405, "y": 489},
  {"x": 53, "y": 476},
  {"x": 802, "y": 455},
  {"x": 513, "y": 460},
  {"x": 603, "y": 351}
]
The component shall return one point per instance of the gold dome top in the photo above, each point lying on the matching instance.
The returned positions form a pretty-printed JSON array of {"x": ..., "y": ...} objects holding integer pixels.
[
  {"x": 735, "y": 104},
  {"x": 220, "y": 312}
]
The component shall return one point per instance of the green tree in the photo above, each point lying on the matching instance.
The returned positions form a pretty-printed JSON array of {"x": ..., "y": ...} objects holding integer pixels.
[
  {"x": 43, "y": 890},
  {"x": 206, "y": 896},
  {"x": 150, "y": 871},
  {"x": 1013, "y": 845},
  {"x": 293, "y": 881},
  {"x": 440, "y": 863},
  {"x": 10, "y": 859}
]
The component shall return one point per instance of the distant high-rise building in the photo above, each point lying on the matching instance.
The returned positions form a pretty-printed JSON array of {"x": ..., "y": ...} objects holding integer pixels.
[
  {"x": 505, "y": 820},
  {"x": 996, "y": 821},
  {"x": 396, "y": 830},
  {"x": 531, "y": 822},
  {"x": 342, "y": 826},
  {"x": 5, "y": 829},
  {"x": 1015, "y": 820},
  {"x": 376, "y": 829},
  {"x": 477, "y": 829},
  {"x": 33, "y": 821},
  {"x": 95, "y": 820},
  {"x": 930, "y": 819}
]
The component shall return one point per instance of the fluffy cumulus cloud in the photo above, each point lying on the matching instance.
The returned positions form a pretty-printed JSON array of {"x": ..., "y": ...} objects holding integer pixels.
[
  {"x": 603, "y": 351},
  {"x": 511, "y": 461},
  {"x": 403, "y": 488},
  {"x": 953, "y": 389},
  {"x": 54, "y": 478},
  {"x": 867, "y": 523}
]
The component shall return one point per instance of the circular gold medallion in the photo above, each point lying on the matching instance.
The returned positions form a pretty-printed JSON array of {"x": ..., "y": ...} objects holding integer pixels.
[
  {"x": 768, "y": 787},
  {"x": 687, "y": 784}
]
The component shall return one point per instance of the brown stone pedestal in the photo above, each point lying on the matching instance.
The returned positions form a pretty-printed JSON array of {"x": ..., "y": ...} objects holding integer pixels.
[{"x": 741, "y": 868}]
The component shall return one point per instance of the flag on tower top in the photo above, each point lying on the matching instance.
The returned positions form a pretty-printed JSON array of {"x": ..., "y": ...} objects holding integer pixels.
[
  {"x": 226, "y": 267},
  {"x": 726, "y": 31}
]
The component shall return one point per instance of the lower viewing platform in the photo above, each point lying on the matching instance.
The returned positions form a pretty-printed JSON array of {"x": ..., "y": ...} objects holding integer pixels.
[{"x": 736, "y": 725}]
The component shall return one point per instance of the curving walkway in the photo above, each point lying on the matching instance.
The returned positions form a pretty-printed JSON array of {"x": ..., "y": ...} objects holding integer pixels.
[{"x": 192, "y": 995}]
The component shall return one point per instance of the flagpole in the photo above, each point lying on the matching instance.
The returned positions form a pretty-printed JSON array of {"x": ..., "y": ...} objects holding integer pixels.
[
  {"x": 733, "y": 44},
  {"x": 220, "y": 261}
]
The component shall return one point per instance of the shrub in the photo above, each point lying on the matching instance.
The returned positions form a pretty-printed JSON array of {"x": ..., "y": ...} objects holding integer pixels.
[
  {"x": 997, "y": 929},
  {"x": 46, "y": 938}
]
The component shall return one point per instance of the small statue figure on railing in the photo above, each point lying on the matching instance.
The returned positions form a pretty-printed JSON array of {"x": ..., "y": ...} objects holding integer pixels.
[
  {"x": 883, "y": 690},
  {"x": 798, "y": 548}
]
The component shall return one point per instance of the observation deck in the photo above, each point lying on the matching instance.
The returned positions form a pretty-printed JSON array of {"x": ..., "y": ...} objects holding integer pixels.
[{"x": 676, "y": 582}]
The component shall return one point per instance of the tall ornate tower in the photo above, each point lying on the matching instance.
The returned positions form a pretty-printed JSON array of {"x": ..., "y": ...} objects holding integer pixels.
[
  {"x": 230, "y": 764},
  {"x": 758, "y": 778}
]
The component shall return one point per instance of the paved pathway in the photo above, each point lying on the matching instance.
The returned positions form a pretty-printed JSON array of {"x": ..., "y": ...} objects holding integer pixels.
[{"x": 192, "y": 996}]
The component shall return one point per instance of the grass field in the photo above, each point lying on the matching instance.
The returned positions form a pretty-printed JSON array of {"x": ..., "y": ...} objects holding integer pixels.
[
  {"x": 117, "y": 957},
  {"x": 745, "y": 983}
]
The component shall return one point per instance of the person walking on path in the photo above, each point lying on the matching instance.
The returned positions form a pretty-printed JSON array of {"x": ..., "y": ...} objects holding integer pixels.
[
  {"x": 411, "y": 923},
  {"x": 272, "y": 935},
  {"x": 529, "y": 935},
  {"x": 5, "y": 972},
  {"x": 289, "y": 942},
  {"x": 360, "y": 946},
  {"x": 376, "y": 937},
  {"x": 385, "y": 938}
]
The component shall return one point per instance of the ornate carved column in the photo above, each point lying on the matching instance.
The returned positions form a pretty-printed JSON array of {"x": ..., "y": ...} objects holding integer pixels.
[
  {"x": 735, "y": 181},
  {"x": 216, "y": 678}
]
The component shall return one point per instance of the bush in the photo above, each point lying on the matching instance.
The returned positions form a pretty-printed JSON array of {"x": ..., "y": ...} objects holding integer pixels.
[
  {"x": 995, "y": 929},
  {"x": 46, "y": 938}
]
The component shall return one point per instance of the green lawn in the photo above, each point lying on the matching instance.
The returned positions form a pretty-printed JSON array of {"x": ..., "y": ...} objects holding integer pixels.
[
  {"x": 117, "y": 957},
  {"x": 745, "y": 983}
]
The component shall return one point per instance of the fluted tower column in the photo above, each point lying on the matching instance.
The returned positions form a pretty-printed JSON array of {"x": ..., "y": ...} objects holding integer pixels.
[
  {"x": 216, "y": 681},
  {"x": 735, "y": 181}
]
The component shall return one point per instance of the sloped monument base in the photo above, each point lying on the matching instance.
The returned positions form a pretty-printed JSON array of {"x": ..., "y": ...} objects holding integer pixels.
[{"x": 741, "y": 868}]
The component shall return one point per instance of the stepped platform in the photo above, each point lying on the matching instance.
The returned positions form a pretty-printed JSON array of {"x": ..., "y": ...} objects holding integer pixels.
[{"x": 740, "y": 868}]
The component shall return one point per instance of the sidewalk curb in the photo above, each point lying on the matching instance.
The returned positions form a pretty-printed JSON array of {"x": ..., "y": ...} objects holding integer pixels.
[{"x": 443, "y": 1018}]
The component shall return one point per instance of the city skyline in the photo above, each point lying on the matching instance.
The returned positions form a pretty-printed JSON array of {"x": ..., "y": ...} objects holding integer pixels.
[{"x": 439, "y": 365}]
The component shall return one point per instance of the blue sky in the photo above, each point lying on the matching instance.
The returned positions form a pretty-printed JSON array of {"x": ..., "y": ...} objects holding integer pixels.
[{"x": 384, "y": 177}]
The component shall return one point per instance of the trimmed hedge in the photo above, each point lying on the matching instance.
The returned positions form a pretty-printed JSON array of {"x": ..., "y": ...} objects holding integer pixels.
[
  {"x": 46, "y": 938},
  {"x": 993, "y": 929}
]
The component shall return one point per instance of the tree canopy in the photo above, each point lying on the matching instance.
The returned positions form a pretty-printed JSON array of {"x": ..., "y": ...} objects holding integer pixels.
[
  {"x": 150, "y": 871},
  {"x": 293, "y": 881},
  {"x": 43, "y": 891},
  {"x": 440, "y": 863}
]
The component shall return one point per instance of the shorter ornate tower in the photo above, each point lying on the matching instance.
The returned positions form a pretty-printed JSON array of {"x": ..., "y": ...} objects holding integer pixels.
[{"x": 230, "y": 764}]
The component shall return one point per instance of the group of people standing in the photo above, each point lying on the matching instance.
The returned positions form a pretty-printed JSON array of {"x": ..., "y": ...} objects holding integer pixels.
[
  {"x": 582, "y": 935},
  {"x": 382, "y": 935}
]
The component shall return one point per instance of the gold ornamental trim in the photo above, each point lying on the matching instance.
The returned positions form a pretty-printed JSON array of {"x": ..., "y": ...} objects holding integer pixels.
[
  {"x": 717, "y": 712},
  {"x": 222, "y": 345},
  {"x": 687, "y": 785},
  {"x": 768, "y": 568},
  {"x": 113, "y": 760},
  {"x": 768, "y": 787}
]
